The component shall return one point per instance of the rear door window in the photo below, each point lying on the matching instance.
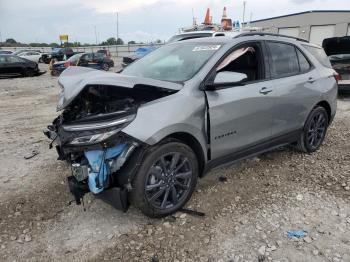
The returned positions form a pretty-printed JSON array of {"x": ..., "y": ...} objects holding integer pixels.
[
  {"x": 98, "y": 56},
  {"x": 284, "y": 60},
  {"x": 319, "y": 54}
]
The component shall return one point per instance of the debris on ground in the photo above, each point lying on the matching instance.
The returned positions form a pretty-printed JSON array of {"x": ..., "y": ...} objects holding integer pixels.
[
  {"x": 222, "y": 179},
  {"x": 31, "y": 155},
  {"x": 296, "y": 233},
  {"x": 192, "y": 212}
]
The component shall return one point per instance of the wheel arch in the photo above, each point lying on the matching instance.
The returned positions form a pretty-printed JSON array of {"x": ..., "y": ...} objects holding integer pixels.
[
  {"x": 327, "y": 107},
  {"x": 194, "y": 144}
]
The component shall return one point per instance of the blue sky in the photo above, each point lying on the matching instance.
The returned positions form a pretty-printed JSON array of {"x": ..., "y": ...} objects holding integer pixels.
[{"x": 140, "y": 20}]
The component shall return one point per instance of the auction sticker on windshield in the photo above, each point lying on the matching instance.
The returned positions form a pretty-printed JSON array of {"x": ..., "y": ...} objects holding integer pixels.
[{"x": 206, "y": 48}]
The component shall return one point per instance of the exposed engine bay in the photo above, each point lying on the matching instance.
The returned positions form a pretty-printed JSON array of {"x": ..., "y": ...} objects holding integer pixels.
[
  {"x": 98, "y": 101},
  {"x": 88, "y": 135}
]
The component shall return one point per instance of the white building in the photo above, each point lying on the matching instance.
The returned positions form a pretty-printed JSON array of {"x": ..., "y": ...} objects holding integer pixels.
[{"x": 311, "y": 25}]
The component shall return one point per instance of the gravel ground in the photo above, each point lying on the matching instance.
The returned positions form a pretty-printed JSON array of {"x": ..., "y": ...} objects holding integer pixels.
[{"x": 249, "y": 207}]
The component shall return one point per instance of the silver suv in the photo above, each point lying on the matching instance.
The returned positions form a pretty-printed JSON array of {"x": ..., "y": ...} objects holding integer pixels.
[{"x": 144, "y": 136}]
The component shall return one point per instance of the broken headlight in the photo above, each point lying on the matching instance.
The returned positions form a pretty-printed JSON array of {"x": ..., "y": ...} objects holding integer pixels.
[{"x": 92, "y": 139}]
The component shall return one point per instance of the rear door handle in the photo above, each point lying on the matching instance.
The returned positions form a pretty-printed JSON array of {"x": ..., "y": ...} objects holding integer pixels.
[
  {"x": 311, "y": 80},
  {"x": 265, "y": 90}
]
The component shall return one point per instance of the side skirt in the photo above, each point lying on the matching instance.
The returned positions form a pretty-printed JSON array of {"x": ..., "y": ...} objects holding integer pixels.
[{"x": 252, "y": 151}]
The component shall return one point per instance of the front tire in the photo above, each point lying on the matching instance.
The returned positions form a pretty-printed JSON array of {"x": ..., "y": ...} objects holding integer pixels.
[
  {"x": 314, "y": 131},
  {"x": 165, "y": 180}
]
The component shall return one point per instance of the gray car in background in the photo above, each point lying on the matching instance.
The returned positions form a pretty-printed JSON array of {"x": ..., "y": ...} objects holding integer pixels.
[{"x": 146, "y": 135}]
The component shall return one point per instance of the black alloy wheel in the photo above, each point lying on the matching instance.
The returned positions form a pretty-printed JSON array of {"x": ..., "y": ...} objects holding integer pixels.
[
  {"x": 168, "y": 180},
  {"x": 317, "y": 130},
  {"x": 165, "y": 180},
  {"x": 314, "y": 131}
]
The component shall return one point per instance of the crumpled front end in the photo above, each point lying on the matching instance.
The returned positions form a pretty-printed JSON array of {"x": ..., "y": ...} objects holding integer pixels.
[
  {"x": 95, "y": 161},
  {"x": 96, "y": 173},
  {"x": 88, "y": 135}
]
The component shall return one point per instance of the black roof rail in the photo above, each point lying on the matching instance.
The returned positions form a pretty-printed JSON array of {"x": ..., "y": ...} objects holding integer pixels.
[{"x": 270, "y": 34}]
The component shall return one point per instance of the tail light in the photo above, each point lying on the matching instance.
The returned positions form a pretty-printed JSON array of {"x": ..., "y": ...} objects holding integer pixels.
[
  {"x": 66, "y": 64},
  {"x": 337, "y": 76}
]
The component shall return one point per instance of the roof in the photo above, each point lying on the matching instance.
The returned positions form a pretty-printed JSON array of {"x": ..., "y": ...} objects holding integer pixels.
[
  {"x": 302, "y": 13},
  {"x": 197, "y": 32},
  {"x": 222, "y": 40}
]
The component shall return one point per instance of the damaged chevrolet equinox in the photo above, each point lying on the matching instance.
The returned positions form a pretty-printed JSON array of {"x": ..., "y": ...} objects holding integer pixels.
[{"x": 145, "y": 135}]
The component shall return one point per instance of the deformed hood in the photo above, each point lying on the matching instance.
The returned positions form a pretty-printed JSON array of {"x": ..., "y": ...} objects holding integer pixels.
[{"x": 74, "y": 79}]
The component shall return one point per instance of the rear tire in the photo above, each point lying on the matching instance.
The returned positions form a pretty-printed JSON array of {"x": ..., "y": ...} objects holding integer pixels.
[
  {"x": 55, "y": 73},
  {"x": 165, "y": 180},
  {"x": 105, "y": 67},
  {"x": 28, "y": 72},
  {"x": 314, "y": 131}
]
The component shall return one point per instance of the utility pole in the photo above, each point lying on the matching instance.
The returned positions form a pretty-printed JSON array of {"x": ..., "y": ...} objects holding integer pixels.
[
  {"x": 193, "y": 18},
  {"x": 251, "y": 17},
  {"x": 244, "y": 5},
  {"x": 117, "y": 27},
  {"x": 95, "y": 35}
]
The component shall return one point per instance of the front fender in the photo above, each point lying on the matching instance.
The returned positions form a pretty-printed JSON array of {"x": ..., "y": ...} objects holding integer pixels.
[{"x": 177, "y": 113}]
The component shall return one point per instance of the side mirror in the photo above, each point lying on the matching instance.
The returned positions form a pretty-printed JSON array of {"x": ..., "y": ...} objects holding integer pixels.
[{"x": 226, "y": 78}]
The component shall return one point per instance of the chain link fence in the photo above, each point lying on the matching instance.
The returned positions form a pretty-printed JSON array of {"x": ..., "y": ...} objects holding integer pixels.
[{"x": 116, "y": 51}]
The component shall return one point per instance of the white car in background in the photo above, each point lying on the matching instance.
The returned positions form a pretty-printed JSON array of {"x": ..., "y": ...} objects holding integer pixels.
[{"x": 31, "y": 55}]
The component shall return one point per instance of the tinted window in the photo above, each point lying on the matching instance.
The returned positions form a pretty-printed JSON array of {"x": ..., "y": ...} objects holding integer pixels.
[
  {"x": 2, "y": 59},
  {"x": 87, "y": 57},
  {"x": 319, "y": 54},
  {"x": 303, "y": 62},
  {"x": 284, "y": 59},
  {"x": 99, "y": 55},
  {"x": 74, "y": 59},
  {"x": 14, "y": 59}
]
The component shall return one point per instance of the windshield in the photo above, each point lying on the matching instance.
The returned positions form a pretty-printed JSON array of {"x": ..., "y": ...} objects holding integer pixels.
[
  {"x": 74, "y": 59},
  {"x": 175, "y": 62},
  {"x": 18, "y": 52}
]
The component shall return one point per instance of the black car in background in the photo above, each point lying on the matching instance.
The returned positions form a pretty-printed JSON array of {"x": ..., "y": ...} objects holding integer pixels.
[
  {"x": 57, "y": 54},
  {"x": 338, "y": 51},
  {"x": 93, "y": 60},
  {"x": 12, "y": 65}
]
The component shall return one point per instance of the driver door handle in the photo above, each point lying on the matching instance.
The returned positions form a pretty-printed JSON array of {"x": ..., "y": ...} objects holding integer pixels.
[{"x": 265, "y": 90}]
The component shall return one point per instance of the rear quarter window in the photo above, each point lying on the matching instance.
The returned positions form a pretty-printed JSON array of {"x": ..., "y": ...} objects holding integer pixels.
[
  {"x": 303, "y": 62},
  {"x": 319, "y": 54}
]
